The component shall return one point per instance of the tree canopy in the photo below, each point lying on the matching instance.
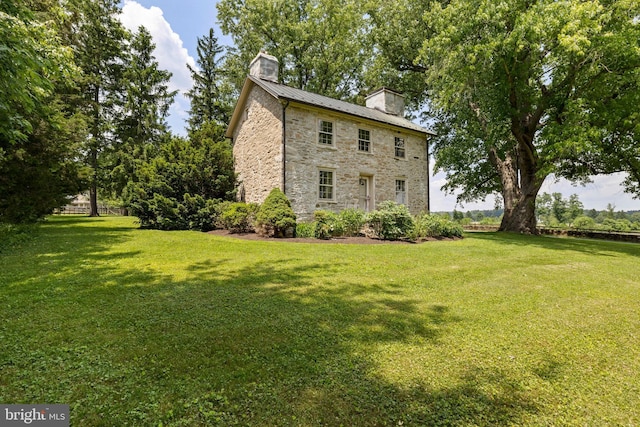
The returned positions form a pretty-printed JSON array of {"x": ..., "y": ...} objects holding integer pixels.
[
  {"x": 39, "y": 138},
  {"x": 518, "y": 88},
  {"x": 212, "y": 93},
  {"x": 322, "y": 45}
]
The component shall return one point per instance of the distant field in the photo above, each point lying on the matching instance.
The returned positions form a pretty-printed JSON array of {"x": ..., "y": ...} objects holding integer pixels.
[{"x": 139, "y": 327}]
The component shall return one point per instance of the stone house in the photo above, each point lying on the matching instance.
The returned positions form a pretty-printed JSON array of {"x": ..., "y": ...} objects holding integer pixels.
[{"x": 324, "y": 153}]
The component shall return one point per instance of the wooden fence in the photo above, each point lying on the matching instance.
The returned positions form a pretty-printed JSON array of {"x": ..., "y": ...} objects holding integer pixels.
[{"x": 81, "y": 210}]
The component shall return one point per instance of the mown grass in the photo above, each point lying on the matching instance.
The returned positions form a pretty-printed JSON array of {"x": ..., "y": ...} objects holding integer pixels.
[{"x": 141, "y": 327}]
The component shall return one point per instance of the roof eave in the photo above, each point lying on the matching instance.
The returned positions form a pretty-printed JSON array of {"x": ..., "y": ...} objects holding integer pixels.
[
  {"x": 265, "y": 87},
  {"x": 237, "y": 110}
]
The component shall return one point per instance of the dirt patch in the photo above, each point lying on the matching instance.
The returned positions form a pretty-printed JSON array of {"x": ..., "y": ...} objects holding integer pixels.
[{"x": 359, "y": 240}]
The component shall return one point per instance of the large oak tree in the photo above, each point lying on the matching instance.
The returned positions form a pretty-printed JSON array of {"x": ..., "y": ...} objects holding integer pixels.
[{"x": 519, "y": 89}]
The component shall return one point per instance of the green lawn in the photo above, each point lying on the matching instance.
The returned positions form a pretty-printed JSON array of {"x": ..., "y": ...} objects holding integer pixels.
[{"x": 140, "y": 327}]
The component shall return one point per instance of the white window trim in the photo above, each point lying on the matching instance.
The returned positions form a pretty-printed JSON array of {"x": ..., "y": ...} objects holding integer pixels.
[{"x": 333, "y": 185}]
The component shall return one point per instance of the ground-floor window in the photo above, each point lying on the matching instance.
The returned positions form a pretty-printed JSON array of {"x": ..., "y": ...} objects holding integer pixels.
[
  {"x": 326, "y": 185},
  {"x": 401, "y": 191}
]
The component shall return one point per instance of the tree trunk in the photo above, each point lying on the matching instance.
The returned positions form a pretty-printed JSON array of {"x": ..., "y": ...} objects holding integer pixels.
[
  {"x": 93, "y": 186},
  {"x": 93, "y": 201},
  {"x": 93, "y": 159},
  {"x": 521, "y": 218},
  {"x": 520, "y": 186}
]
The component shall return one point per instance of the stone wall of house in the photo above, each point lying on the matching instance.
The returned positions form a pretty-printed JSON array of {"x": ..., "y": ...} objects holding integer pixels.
[
  {"x": 305, "y": 157},
  {"x": 257, "y": 147}
]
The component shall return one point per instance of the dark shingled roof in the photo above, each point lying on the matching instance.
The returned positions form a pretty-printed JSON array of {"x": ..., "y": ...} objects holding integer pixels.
[{"x": 280, "y": 91}]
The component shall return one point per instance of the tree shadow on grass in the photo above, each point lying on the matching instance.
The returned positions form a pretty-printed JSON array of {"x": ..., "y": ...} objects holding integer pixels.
[
  {"x": 287, "y": 349},
  {"x": 269, "y": 343},
  {"x": 589, "y": 246}
]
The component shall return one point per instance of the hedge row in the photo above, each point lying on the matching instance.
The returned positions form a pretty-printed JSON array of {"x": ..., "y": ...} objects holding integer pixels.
[
  {"x": 390, "y": 222},
  {"x": 275, "y": 218}
]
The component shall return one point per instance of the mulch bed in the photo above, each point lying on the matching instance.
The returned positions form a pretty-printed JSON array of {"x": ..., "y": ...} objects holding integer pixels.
[{"x": 359, "y": 240}]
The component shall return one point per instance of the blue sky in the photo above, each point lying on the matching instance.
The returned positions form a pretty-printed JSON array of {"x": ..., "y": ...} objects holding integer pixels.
[{"x": 176, "y": 25}]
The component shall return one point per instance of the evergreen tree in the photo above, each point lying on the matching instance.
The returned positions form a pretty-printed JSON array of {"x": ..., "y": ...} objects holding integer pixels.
[
  {"x": 182, "y": 182},
  {"x": 100, "y": 44},
  {"x": 141, "y": 126},
  {"x": 211, "y": 99}
]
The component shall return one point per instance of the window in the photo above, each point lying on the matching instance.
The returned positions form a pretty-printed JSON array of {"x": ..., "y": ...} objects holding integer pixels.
[
  {"x": 325, "y": 188},
  {"x": 401, "y": 191},
  {"x": 399, "y": 147},
  {"x": 325, "y": 133},
  {"x": 364, "y": 140}
]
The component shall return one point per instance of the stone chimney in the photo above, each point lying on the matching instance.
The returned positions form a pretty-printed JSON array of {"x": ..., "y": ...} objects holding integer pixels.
[
  {"x": 387, "y": 101},
  {"x": 265, "y": 67}
]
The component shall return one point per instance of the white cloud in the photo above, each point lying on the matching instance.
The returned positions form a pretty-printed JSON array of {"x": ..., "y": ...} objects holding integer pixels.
[
  {"x": 170, "y": 54},
  {"x": 603, "y": 190}
]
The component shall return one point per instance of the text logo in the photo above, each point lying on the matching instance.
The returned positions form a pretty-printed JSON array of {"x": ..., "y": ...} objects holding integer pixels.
[{"x": 34, "y": 415}]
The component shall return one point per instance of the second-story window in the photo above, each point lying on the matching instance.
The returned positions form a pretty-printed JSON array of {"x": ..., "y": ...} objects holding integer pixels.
[
  {"x": 325, "y": 133},
  {"x": 399, "y": 147},
  {"x": 364, "y": 140}
]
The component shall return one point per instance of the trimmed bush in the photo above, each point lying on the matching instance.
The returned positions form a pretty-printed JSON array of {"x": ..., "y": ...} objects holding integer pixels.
[
  {"x": 239, "y": 217},
  {"x": 275, "y": 217},
  {"x": 168, "y": 215},
  {"x": 390, "y": 221},
  {"x": 199, "y": 213}
]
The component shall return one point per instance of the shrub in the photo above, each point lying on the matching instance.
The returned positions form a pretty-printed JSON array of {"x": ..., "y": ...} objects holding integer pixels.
[
  {"x": 239, "y": 217},
  {"x": 584, "y": 223},
  {"x": 429, "y": 225},
  {"x": 305, "y": 229},
  {"x": 352, "y": 221},
  {"x": 327, "y": 225},
  {"x": 199, "y": 213},
  {"x": 275, "y": 218},
  {"x": 167, "y": 213},
  {"x": 491, "y": 220},
  {"x": 620, "y": 225},
  {"x": 390, "y": 222}
]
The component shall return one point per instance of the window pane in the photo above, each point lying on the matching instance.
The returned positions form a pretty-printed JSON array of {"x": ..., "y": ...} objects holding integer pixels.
[
  {"x": 326, "y": 127},
  {"x": 401, "y": 193},
  {"x": 399, "y": 147},
  {"x": 325, "y": 188},
  {"x": 325, "y": 133},
  {"x": 364, "y": 140}
]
